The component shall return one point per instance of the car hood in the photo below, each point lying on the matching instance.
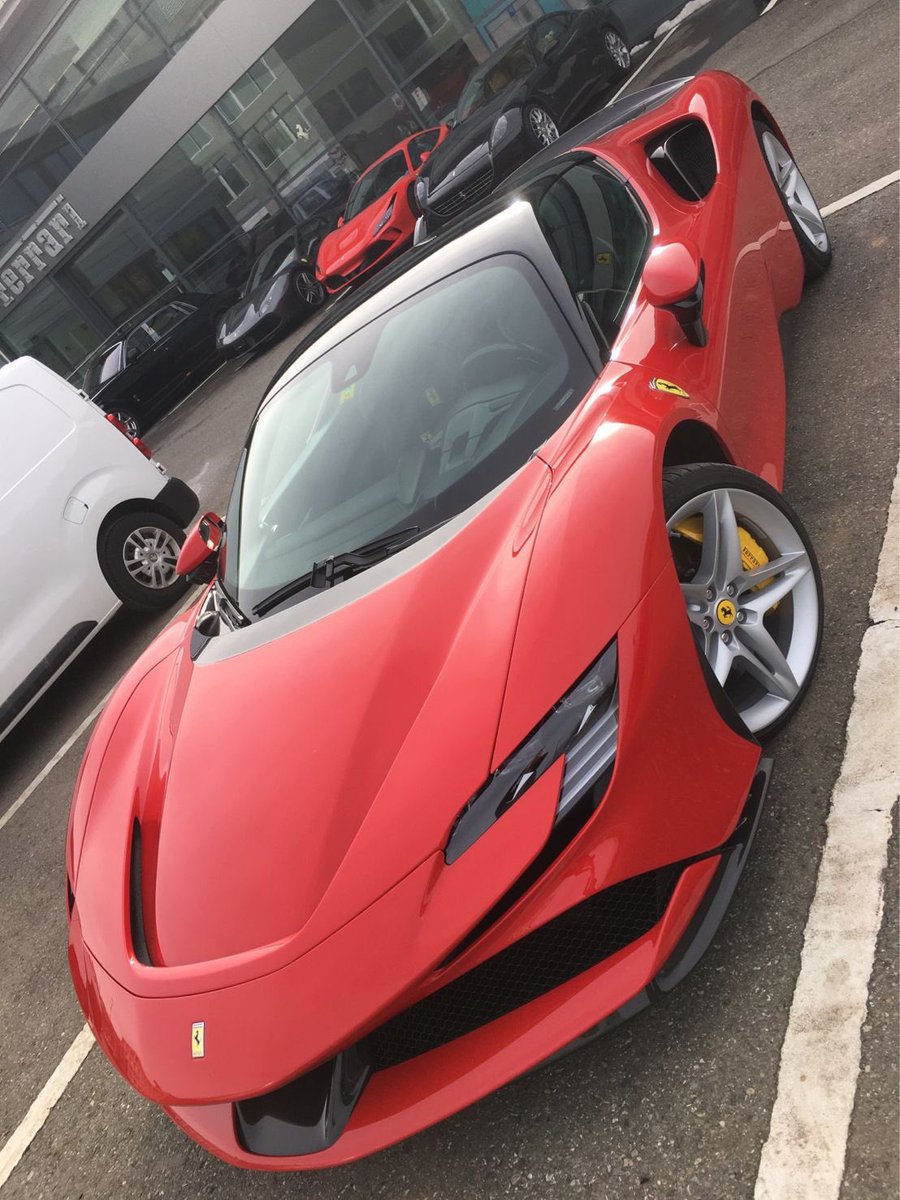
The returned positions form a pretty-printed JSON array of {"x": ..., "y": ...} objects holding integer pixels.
[
  {"x": 354, "y": 236},
  {"x": 300, "y": 767},
  {"x": 246, "y": 312},
  {"x": 475, "y": 131}
]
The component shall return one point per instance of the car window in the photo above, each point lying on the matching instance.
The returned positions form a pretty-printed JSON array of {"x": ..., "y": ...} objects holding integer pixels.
[
  {"x": 489, "y": 81},
  {"x": 104, "y": 367},
  {"x": 422, "y": 143},
  {"x": 138, "y": 342},
  {"x": 599, "y": 236},
  {"x": 549, "y": 31},
  {"x": 373, "y": 436},
  {"x": 376, "y": 181},
  {"x": 164, "y": 320},
  {"x": 276, "y": 258}
]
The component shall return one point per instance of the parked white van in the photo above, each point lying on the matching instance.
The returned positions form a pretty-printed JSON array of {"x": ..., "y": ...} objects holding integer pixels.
[{"x": 87, "y": 522}]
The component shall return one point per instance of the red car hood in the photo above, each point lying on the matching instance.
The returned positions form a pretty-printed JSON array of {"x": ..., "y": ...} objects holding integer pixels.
[
  {"x": 349, "y": 243},
  {"x": 299, "y": 768}
]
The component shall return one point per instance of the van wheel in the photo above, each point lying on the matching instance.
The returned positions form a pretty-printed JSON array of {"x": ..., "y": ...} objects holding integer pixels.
[{"x": 138, "y": 553}]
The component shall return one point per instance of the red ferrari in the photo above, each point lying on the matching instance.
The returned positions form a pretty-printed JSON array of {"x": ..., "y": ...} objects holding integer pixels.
[
  {"x": 381, "y": 213},
  {"x": 457, "y": 761}
]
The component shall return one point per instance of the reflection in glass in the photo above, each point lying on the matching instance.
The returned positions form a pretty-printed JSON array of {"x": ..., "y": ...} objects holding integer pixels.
[
  {"x": 46, "y": 326},
  {"x": 120, "y": 270}
]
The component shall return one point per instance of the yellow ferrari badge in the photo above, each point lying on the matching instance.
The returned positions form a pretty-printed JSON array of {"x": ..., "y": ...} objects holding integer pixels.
[
  {"x": 198, "y": 1039},
  {"x": 725, "y": 611},
  {"x": 604, "y": 258},
  {"x": 672, "y": 389}
]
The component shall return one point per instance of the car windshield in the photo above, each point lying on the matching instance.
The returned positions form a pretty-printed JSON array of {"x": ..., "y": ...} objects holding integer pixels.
[
  {"x": 373, "y": 185},
  {"x": 379, "y": 434},
  {"x": 102, "y": 368},
  {"x": 272, "y": 260},
  {"x": 495, "y": 78}
]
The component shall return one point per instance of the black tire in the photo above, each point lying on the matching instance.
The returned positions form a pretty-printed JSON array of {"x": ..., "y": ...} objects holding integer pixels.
[
  {"x": 128, "y": 417},
  {"x": 310, "y": 292},
  {"x": 619, "y": 69},
  {"x": 781, "y": 622},
  {"x": 816, "y": 261},
  {"x": 535, "y": 111},
  {"x": 115, "y": 550}
]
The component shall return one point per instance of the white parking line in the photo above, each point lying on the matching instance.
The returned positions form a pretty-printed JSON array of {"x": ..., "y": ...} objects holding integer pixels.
[
  {"x": 803, "y": 1157},
  {"x": 870, "y": 189},
  {"x": 73, "y": 738},
  {"x": 12, "y": 1152},
  {"x": 631, "y": 78},
  {"x": 768, "y": 7}
]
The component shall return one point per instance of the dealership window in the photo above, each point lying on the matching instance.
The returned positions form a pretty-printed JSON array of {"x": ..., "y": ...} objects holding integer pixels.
[
  {"x": 316, "y": 42},
  {"x": 47, "y": 327},
  {"x": 231, "y": 178},
  {"x": 196, "y": 139},
  {"x": 246, "y": 90},
  {"x": 120, "y": 270},
  {"x": 414, "y": 33},
  {"x": 46, "y": 161}
]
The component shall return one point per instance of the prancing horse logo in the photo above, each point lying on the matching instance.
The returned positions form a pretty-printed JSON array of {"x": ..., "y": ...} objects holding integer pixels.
[
  {"x": 725, "y": 612},
  {"x": 198, "y": 1039}
]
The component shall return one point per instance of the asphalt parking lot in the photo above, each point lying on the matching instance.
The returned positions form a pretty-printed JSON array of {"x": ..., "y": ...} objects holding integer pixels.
[{"x": 678, "y": 1102}]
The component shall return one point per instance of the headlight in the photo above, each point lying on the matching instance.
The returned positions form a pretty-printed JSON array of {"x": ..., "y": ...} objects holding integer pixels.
[
  {"x": 385, "y": 217},
  {"x": 421, "y": 189},
  {"x": 498, "y": 133},
  {"x": 583, "y": 727}
]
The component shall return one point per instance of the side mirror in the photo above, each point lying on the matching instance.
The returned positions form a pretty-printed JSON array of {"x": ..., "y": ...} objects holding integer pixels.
[
  {"x": 340, "y": 220},
  {"x": 199, "y": 556},
  {"x": 424, "y": 157},
  {"x": 673, "y": 280}
]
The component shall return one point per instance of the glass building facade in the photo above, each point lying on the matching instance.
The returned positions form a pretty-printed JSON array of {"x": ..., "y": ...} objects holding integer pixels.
[{"x": 344, "y": 81}]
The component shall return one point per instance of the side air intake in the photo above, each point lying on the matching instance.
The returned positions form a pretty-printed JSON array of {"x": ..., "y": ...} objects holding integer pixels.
[{"x": 686, "y": 159}]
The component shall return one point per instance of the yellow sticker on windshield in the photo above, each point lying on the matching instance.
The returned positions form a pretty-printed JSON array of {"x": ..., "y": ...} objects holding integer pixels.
[
  {"x": 604, "y": 259},
  {"x": 347, "y": 394},
  {"x": 432, "y": 396}
]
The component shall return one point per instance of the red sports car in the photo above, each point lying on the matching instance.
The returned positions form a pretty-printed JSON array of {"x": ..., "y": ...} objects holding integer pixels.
[
  {"x": 457, "y": 761},
  {"x": 381, "y": 213}
]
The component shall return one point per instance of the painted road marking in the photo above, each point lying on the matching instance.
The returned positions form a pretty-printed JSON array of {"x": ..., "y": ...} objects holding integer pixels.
[
  {"x": 768, "y": 7},
  {"x": 869, "y": 190},
  {"x": 803, "y": 1157},
  {"x": 73, "y": 738},
  {"x": 48, "y": 1096}
]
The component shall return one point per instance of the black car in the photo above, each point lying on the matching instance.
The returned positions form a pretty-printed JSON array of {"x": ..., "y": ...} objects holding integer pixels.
[
  {"x": 518, "y": 101},
  {"x": 155, "y": 360},
  {"x": 280, "y": 290}
]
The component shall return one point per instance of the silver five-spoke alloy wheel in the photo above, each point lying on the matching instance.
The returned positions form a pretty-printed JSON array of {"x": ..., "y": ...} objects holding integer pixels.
[
  {"x": 617, "y": 50},
  {"x": 130, "y": 424},
  {"x": 543, "y": 126},
  {"x": 150, "y": 555},
  {"x": 758, "y": 627},
  {"x": 796, "y": 191}
]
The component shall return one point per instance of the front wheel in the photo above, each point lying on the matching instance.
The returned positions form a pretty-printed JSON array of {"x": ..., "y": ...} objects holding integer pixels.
[
  {"x": 309, "y": 289},
  {"x": 751, "y": 585},
  {"x": 799, "y": 203},
  {"x": 617, "y": 50},
  {"x": 542, "y": 129},
  {"x": 138, "y": 553}
]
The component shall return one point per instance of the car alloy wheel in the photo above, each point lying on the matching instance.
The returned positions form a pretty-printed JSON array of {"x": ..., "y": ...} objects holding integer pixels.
[
  {"x": 128, "y": 421},
  {"x": 751, "y": 586},
  {"x": 150, "y": 555},
  {"x": 309, "y": 289},
  {"x": 617, "y": 49},
  {"x": 543, "y": 127},
  {"x": 799, "y": 199}
]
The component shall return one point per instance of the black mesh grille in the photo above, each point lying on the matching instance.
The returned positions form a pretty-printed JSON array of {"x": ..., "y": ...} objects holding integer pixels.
[
  {"x": 473, "y": 189},
  {"x": 563, "y": 948}
]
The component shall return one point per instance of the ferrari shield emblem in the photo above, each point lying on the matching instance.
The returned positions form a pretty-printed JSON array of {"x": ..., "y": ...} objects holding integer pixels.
[
  {"x": 672, "y": 389},
  {"x": 198, "y": 1040}
]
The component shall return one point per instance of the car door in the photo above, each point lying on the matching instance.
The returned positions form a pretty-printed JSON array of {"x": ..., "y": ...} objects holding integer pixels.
[
  {"x": 178, "y": 331},
  {"x": 565, "y": 62},
  {"x": 136, "y": 387}
]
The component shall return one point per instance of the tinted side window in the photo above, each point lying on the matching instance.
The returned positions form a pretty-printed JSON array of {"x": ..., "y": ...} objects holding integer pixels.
[
  {"x": 139, "y": 342},
  {"x": 599, "y": 237},
  {"x": 165, "y": 320},
  {"x": 551, "y": 30}
]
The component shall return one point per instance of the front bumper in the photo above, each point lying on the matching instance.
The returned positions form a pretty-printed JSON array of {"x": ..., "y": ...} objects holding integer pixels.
[
  {"x": 677, "y": 795},
  {"x": 355, "y": 267}
]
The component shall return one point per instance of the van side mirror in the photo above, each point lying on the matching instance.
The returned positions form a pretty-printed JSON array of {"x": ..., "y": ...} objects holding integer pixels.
[
  {"x": 673, "y": 280},
  {"x": 199, "y": 556}
]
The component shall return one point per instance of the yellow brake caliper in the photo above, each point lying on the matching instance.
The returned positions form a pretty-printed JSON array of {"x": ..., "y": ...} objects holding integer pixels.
[{"x": 752, "y": 553}]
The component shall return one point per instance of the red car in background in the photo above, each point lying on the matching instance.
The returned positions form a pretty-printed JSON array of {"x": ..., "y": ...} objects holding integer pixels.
[{"x": 381, "y": 213}]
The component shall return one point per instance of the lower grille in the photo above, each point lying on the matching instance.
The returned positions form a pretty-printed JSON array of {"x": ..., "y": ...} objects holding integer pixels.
[
  {"x": 546, "y": 958},
  {"x": 473, "y": 189}
]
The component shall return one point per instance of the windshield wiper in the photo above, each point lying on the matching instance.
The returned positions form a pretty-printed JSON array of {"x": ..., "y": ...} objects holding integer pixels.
[{"x": 332, "y": 570}]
